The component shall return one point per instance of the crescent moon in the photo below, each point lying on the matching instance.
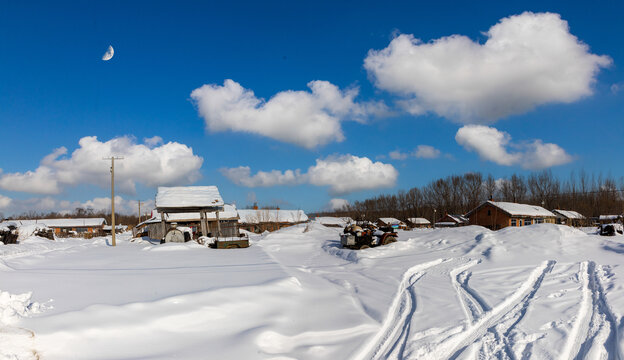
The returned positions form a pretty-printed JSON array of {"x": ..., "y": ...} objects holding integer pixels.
[{"x": 109, "y": 53}]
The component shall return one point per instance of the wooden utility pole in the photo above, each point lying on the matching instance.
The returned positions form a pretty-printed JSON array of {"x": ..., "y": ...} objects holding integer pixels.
[
  {"x": 139, "y": 211},
  {"x": 112, "y": 170}
]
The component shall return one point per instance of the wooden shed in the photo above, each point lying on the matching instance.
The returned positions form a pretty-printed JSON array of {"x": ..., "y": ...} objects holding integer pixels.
[
  {"x": 569, "y": 217},
  {"x": 449, "y": 220},
  {"x": 228, "y": 221},
  {"x": 189, "y": 199},
  {"x": 392, "y": 222},
  {"x": 496, "y": 215},
  {"x": 260, "y": 220},
  {"x": 418, "y": 223}
]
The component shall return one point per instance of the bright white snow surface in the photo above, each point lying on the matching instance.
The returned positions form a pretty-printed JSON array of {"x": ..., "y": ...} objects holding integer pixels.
[
  {"x": 536, "y": 292},
  {"x": 188, "y": 196}
]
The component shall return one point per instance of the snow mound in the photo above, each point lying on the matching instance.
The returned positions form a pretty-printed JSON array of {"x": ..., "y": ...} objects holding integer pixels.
[{"x": 14, "y": 307}]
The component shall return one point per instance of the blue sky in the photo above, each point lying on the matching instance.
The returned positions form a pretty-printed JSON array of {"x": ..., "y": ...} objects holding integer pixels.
[{"x": 56, "y": 90}]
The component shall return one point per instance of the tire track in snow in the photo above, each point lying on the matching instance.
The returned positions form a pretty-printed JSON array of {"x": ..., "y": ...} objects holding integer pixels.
[
  {"x": 594, "y": 333},
  {"x": 472, "y": 304},
  {"x": 394, "y": 331},
  {"x": 511, "y": 309}
]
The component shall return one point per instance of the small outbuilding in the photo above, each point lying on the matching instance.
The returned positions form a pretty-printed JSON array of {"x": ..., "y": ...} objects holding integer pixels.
[
  {"x": 418, "y": 223},
  {"x": 228, "y": 219},
  {"x": 260, "y": 220},
  {"x": 330, "y": 221},
  {"x": 391, "y": 222},
  {"x": 609, "y": 219},
  {"x": 496, "y": 215},
  {"x": 449, "y": 220},
  {"x": 569, "y": 217},
  {"x": 189, "y": 199}
]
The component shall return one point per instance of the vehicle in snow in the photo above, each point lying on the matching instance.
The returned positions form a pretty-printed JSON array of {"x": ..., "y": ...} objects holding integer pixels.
[
  {"x": 364, "y": 235},
  {"x": 611, "y": 229}
]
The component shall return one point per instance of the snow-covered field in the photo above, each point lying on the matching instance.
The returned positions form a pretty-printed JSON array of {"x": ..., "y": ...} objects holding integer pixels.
[{"x": 541, "y": 292}]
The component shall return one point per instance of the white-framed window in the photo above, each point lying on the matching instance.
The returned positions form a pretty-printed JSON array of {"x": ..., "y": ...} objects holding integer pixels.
[
  {"x": 527, "y": 222},
  {"x": 513, "y": 222},
  {"x": 539, "y": 220}
]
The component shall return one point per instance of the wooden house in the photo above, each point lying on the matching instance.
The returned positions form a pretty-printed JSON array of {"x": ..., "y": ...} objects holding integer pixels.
[
  {"x": 496, "y": 215},
  {"x": 392, "y": 222},
  {"x": 261, "y": 220},
  {"x": 449, "y": 220},
  {"x": 418, "y": 223},
  {"x": 569, "y": 217}
]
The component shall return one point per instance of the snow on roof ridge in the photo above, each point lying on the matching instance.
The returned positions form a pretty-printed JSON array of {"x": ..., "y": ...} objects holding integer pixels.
[
  {"x": 521, "y": 209},
  {"x": 188, "y": 197},
  {"x": 570, "y": 214}
]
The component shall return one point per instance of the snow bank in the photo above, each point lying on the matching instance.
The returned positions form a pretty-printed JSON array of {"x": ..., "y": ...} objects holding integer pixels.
[{"x": 14, "y": 307}]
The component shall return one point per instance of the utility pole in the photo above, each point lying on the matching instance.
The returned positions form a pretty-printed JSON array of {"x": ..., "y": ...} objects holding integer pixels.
[
  {"x": 139, "y": 211},
  {"x": 112, "y": 170}
]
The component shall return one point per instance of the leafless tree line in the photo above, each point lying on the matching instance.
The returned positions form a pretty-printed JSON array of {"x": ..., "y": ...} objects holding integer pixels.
[{"x": 458, "y": 194}]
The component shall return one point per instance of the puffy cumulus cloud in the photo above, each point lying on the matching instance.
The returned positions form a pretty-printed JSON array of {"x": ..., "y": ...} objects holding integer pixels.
[
  {"x": 493, "y": 145},
  {"x": 337, "y": 204},
  {"x": 168, "y": 164},
  {"x": 528, "y": 60},
  {"x": 153, "y": 141},
  {"x": 488, "y": 142},
  {"x": 421, "y": 152},
  {"x": 343, "y": 174},
  {"x": 308, "y": 119},
  {"x": 242, "y": 176},
  {"x": 347, "y": 173}
]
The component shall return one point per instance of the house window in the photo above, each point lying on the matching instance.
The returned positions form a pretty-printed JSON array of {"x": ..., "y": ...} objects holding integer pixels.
[
  {"x": 539, "y": 220},
  {"x": 527, "y": 222},
  {"x": 489, "y": 212},
  {"x": 513, "y": 222}
]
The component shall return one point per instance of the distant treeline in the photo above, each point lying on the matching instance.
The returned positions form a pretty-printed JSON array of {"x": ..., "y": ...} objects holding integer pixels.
[
  {"x": 122, "y": 219},
  {"x": 458, "y": 194}
]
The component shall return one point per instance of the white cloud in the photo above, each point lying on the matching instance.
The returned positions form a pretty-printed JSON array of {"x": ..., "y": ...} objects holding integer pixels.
[
  {"x": 242, "y": 176},
  {"x": 308, "y": 119},
  {"x": 343, "y": 174},
  {"x": 421, "y": 152},
  {"x": 337, "y": 204},
  {"x": 397, "y": 155},
  {"x": 492, "y": 145},
  {"x": 153, "y": 141},
  {"x": 528, "y": 60},
  {"x": 5, "y": 202},
  {"x": 168, "y": 164},
  {"x": 426, "y": 152}
]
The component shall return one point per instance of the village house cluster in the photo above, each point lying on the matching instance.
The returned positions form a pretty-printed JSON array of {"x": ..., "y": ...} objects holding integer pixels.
[{"x": 199, "y": 211}]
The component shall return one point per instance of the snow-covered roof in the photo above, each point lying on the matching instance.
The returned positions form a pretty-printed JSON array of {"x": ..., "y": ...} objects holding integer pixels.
[
  {"x": 515, "y": 209},
  {"x": 569, "y": 214},
  {"x": 251, "y": 216},
  {"x": 188, "y": 197},
  {"x": 228, "y": 213},
  {"x": 609, "y": 217},
  {"x": 61, "y": 223},
  {"x": 458, "y": 218},
  {"x": 391, "y": 221},
  {"x": 419, "y": 221},
  {"x": 330, "y": 220}
]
